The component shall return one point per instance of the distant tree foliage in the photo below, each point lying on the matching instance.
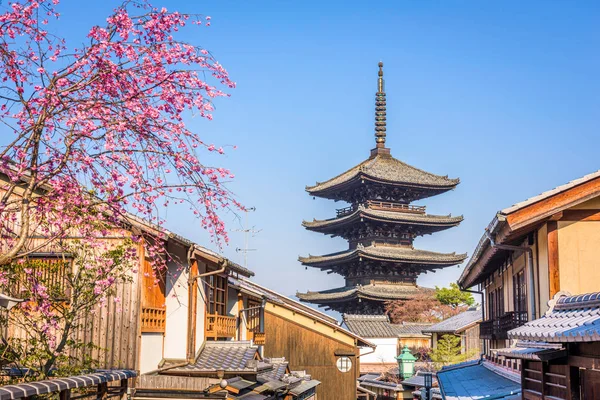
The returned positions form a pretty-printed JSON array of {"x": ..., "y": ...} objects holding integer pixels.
[
  {"x": 453, "y": 296},
  {"x": 430, "y": 307}
]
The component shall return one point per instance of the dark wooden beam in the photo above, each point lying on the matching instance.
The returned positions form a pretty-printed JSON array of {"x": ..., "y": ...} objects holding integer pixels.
[
  {"x": 584, "y": 362},
  {"x": 553, "y": 267}
]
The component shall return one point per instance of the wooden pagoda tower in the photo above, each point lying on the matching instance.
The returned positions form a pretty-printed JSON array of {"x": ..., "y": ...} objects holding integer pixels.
[{"x": 381, "y": 263}]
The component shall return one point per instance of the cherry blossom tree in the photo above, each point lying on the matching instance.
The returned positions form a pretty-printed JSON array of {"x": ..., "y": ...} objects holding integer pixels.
[
  {"x": 101, "y": 128},
  {"x": 93, "y": 136}
]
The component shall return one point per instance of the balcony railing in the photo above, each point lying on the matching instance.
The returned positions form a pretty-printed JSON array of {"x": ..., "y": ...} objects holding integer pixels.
[
  {"x": 153, "y": 319},
  {"x": 220, "y": 326},
  {"x": 498, "y": 328},
  {"x": 259, "y": 338},
  {"x": 389, "y": 206},
  {"x": 383, "y": 206}
]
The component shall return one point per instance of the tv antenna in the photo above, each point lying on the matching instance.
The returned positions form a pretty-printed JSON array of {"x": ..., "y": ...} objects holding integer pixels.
[{"x": 247, "y": 232}]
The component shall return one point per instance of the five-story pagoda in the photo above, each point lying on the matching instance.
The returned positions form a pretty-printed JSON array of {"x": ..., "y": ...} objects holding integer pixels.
[{"x": 380, "y": 225}]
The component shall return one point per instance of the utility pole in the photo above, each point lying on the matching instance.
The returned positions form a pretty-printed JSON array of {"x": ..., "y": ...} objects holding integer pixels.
[{"x": 247, "y": 231}]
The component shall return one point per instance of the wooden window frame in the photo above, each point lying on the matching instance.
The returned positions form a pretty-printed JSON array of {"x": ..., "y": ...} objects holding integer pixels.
[{"x": 217, "y": 295}]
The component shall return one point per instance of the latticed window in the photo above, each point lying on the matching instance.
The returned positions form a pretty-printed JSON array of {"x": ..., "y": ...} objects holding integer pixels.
[
  {"x": 51, "y": 272},
  {"x": 520, "y": 292},
  {"x": 496, "y": 303},
  {"x": 217, "y": 295},
  {"x": 253, "y": 316}
]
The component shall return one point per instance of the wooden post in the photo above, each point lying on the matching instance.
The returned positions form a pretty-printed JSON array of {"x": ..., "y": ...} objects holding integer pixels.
[
  {"x": 123, "y": 388},
  {"x": 553, "y": 267},
  {"x": 573, "y": 383},
  {"x": 192, "y": 311},
  {"x": 102, "y": 391},
  {"x": 64, "y": 394}
]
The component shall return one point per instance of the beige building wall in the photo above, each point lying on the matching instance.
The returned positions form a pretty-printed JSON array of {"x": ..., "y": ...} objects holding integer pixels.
[
  {"x": 542, "y": 267},
  {"x": 579, "y": 256}
]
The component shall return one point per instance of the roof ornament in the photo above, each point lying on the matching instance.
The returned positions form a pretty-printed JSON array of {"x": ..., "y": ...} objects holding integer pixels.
[{"x": 380, "y": 110}]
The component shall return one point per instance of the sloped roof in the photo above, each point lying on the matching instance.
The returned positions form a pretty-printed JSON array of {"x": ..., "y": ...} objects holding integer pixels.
[
  {"x": 386, "y": 216},
  {"x": 386, "y": 253},
  {"x": 456, "y": 323},
  {"x": 478, "y": 267},
  {"x": 536, "y": 351},
  {"x": 229, "y": 356},
  {"x": 477, "y": 380},
  {"x": 387, "y": 169},
  {"x": 299, "y": 308},
  {"x": 379, "y": 326},
  {"x": 569, "y": 319},
  {"x": 373, "y": 292}
]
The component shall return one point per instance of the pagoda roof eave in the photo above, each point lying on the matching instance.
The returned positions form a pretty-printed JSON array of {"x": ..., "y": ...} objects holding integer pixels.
[
  {"x": 386, "y": 253},
  {"x": 385, "y": 170},
  {"x": 368, "y": 292},
  {"x": 384, "y": 216}
]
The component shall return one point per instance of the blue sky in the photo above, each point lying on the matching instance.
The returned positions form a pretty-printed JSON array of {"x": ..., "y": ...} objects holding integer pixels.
[{"x": 504, "y": 95}]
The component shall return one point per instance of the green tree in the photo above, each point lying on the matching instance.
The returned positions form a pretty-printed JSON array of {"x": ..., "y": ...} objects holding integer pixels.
[
  {"x": 453, "y": 296},
  {"x": 448, "y": 352}
]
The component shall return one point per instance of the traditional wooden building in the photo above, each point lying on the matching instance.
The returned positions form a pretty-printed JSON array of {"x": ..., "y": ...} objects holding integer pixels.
[
  {"x": 464, "y": 325},
  {"x": 543, "y": 247},
  {"x": 531, "y": 251},
  {"x": 389, "y": 338},
  {"x": 380, "y": 224}
]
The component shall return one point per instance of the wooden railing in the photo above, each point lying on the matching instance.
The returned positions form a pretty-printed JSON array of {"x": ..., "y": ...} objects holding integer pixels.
[
  {"x": 259, "y": 338},
  {"x": 153, "y": 319},
  {"x": 498, "y": 328},
  {"x": 389, "y": 206},
  {"x": 486, "y": 329},
  {"x": 220, "y": 326},
  {"x": 384, "y": 206}
]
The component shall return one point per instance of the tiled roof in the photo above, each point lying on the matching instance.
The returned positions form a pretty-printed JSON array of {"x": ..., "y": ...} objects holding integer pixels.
[
  {"x": 373, "y": 292},
  {"x": 476, "y": 380},
  {"x": 297, "y": 307},
  {"x": 417, "y": 380},
  {"x": 221, "y": 355},
  {"x": 569, "y": 319},
  {"x": 537, "y": 351},
  {"x": 304, "y": 386},
  {"x": 386, "y": 253},
  {"x": 551, "y": 192},
  {"x": 280, "y": 367},
  {"x": 456, "y": 323},
  {"x": 395, "y": 216},
  {"x": 379, "y": 326},
  {"x": 390, "y": 170},
  {"x": 32, "y": 389}
]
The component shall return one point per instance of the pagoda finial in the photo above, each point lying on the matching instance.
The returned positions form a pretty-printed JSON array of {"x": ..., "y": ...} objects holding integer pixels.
[{"x": 380, "y": 110}]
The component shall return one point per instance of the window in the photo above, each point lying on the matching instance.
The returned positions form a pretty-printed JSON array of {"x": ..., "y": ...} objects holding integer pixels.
[
  {"x": 496, "y": 303},
  {"x": 253, "y": 316},
  {"x": 344, "y": 364},
  {"x": 217, "y": 294},
  {"x": 520, "y": 295},
  {"x": 52, "y": 272}
]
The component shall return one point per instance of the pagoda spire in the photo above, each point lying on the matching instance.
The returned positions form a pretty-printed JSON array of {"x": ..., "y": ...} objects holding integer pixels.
[
  {"x": 380, "y": 110},
  {"x": 380, "y": 124}
]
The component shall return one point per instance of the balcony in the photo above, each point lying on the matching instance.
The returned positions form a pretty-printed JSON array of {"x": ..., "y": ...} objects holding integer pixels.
[
  {"x": 498, "y": 328},
  {"x": 220, "y": 326},
  {"x": 383, "y": 206}
]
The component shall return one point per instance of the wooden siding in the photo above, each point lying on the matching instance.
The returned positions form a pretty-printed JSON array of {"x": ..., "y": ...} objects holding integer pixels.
[
  {"x": 113, "y": 329},
  {"x": 309, "y": 350},
  {"x": 471, "y": 339}
]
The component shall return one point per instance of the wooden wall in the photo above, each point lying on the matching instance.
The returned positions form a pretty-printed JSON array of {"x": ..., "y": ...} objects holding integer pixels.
[
  {"x": 314, "y": 352},
  {"x": 113, "y": 329},
  {"x": 470, "y": 339}
]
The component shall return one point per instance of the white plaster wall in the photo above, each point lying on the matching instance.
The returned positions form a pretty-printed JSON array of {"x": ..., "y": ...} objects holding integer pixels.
[
  {"x": 151, "y": 351},
  {"x": 177, "y": 304},
  {"x": 385, "y": 352}
]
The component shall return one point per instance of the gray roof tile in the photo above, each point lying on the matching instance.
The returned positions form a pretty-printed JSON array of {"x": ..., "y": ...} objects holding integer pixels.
[
  {"x": 379, "y": 326},
  {"x": 374, "y": 291},
  {"x": 388, "y": 169},
  {"x": 221, "y": 355},
  {"x": 475, "y": 381},
  {"x": 456, "y": 323},
  {"x": 569, "y": 319}
]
